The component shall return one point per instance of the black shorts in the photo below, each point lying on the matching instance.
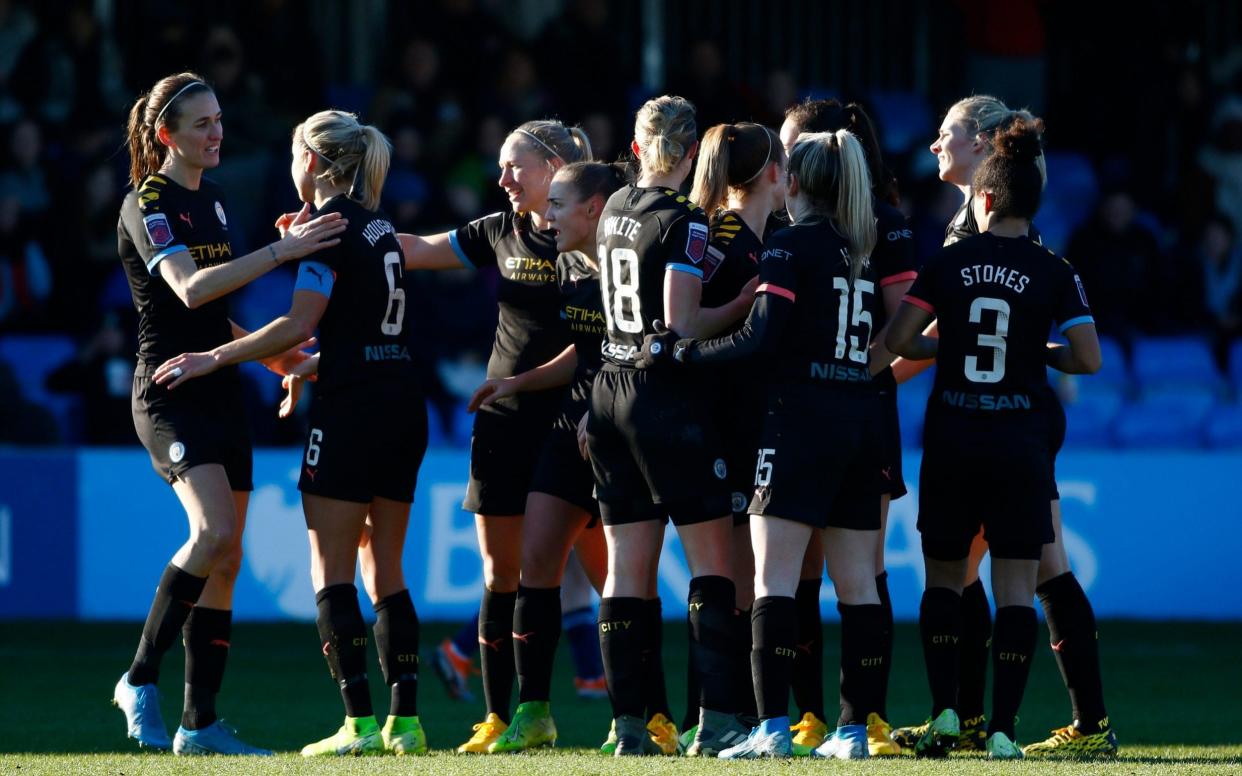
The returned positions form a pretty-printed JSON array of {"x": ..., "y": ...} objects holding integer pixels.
[
  {"x": 504, "y": 448},
  {"x": 202, "y": 421},
  {"x": 990, "y": 472},
  {"x": 365, "y": 444},
  {"x": 654, "y": 450},
  {"x": 892, "y": 478},
  {"x": 564, "y": 473},
  {"x": 819, "y": 458}
]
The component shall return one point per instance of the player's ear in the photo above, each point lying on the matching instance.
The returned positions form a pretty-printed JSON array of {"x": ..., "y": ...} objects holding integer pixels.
[
  {"x": 694, "y": 150},
  {"x": 163, "y": 135},
  {"x": 595, "y": 206},
  {"x": 634, "y": 147},
  {"x": 791, "y": 185},
  {"x": 987, "y": 202}
]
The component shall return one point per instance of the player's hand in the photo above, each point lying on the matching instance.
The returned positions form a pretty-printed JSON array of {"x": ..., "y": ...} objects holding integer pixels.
[
  {"x": 658, "y": 348},
  {"x": 582, "y": 437},
  {"x": 284, "y": 222},
  {"x": 303, "y": 237},
  {"x": 747, "y": 294},
  {"x": 493, "y": 389},
  {"x": 284, "y": 363},
  {"x": 186, "y": 366}
]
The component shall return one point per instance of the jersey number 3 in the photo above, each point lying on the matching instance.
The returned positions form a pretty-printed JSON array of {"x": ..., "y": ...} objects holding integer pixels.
[
  {"x": 995, "y": 340},
  {"x": 622, "y": 308},
  {"x": 396, "y": 295}
]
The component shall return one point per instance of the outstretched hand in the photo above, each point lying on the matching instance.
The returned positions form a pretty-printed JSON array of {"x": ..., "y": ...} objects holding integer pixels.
[{"x": 491, "y": 390}]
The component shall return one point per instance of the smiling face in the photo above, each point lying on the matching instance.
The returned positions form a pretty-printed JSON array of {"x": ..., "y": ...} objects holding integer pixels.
[
  {"x": 574, "y": 219},
  {"x": 957, "y": 151},
  {"x": 524, "y": 176},
  {"x": 195, "y": 143}
]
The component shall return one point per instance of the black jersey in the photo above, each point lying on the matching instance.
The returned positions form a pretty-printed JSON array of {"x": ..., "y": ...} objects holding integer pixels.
[
  {"x": 894, "y": 262},
  {"x": 159, "y": 219},
  {"x": 964, "y": 225},
  {"x": 995, "y": 300},
  {"x": 825, "y": 334},
  {"x": 642, "y": 232},
  {"x": 364, "y": 331},
  {"x": 582, "y": 308},
  {"x": 732, "y": 259},
  {"x": 529, "y": 331}
]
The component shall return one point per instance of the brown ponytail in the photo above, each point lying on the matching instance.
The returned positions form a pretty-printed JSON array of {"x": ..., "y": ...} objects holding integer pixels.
[{"x": 731, "y": 156}]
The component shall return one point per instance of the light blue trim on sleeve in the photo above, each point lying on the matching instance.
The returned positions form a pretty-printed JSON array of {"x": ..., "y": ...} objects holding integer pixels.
[
  {"x": 1072, "y": 322},
  {"x": 315, "y": 276},
  {"x": 689, "y": 269},
  {"x": 153, "y": 264},
  {"x": 461, "y": 255}
]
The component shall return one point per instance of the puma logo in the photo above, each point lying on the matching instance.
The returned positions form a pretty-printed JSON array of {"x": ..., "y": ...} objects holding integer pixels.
[
  {"x": 318, "y": 273},
  {"x": 311, "y": 473},
  {"x": 1057, "y": 646},
  {"x": 492, "y": 645},
  {"x": 805, "y": 647},
  {"x": 186, "y": 217},
  {"x": 887, "y": 471},
  {"x": 220, "y": 643},
  {"x": 327, "y": 647},
  {"x": 523, "y": 637}
]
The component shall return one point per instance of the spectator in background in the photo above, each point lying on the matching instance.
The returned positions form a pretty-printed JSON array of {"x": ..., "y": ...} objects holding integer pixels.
[
  {"x": 1220, "y": 260},
  {"x": 102, "y": 372},
  {"x": 407, "y": 192},
  {"x": 583, "y": 36},
  {"x": 419, "y": 93},
  {"x": 1222, "y": 159},
  {"x": 1117, "y": 259},
  {"x": 23, "y": 177},
  {"x": 25, "y": 275},
  {"x": 17, "y": 29}
]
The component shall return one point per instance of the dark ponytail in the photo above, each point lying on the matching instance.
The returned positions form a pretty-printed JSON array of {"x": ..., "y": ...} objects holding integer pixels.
[
  {"x": 1012, "y": 172},
  {"x": 160, "y": 106},
  {"x": 832, "y": 116}
]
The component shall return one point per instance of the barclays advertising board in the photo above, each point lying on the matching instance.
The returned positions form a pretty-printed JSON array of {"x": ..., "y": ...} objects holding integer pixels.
[{"x": 86, "y": 533}]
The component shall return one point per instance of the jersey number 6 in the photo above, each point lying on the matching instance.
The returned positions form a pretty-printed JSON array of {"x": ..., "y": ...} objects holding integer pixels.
[{"x": 396, "y": 295}]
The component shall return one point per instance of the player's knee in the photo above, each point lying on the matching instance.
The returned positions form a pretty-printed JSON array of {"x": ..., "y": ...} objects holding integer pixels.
[
  {"x": 215, "y": 541},
  {"x": 229, "y": 565}
]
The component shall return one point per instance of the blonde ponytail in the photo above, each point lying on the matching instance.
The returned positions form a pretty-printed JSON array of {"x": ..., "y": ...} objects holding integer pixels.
[
  {"x": 711, "y": 175},
  {"x": 855, "y": 215},
  {"x": 664, "y": 129},
  {"x": 358, "y": 156}
]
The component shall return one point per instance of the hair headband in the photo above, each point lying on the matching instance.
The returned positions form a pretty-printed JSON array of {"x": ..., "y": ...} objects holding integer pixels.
[
  {"x": 173, "y": 99},
  {"x": 531, "y": 135},
  {"x": 767, "y": 157}
]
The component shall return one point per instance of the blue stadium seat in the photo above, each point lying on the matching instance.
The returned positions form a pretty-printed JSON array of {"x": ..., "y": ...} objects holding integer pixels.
[
  {"x": 1069, "y": 198},
  {"x": 1225, "y": 427},
  {"x": 904, "y": 119},
  {"x": 1165, "y": 419},
  {"x": 1163, "y": 363},
  {"x": 1090, "y": 419},
  {"x": 1114, "y": 375},
  {"x": 1235, "y": 366},
  {"x": 33, "y": 357}
]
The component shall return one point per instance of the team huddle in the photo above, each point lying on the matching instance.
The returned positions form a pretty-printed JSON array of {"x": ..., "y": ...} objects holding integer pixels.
[{"x": 726, "y": 359}]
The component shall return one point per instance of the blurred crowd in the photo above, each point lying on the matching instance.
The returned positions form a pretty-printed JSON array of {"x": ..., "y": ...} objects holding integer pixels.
[{"x": 1154, "y": 230}]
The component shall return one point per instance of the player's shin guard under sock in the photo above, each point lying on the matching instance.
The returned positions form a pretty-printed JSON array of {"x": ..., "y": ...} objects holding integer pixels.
[
  {"x": 862, "y": 661},
  {"x": 397, "y": 637},
  {"x": 343, "y": 636},
  {"x": 975, "y": 652},
  {"x": 1075, "y": 645},
  {"x": 174, "y": 598},
  {"x": 808, "y": 676},
  {"x": 881, "y": 586},
  {"x": 940, "y": 626},
  {"x": 711, "y": 613},
  {"x": 743, "y": 685},
  {"x": 206, "y": 635},
  {"x": 496, "y": 650},
  {"x": 582, "y": 634},
  {"x": 773, "y": 631},
  {"x": 536, "y": 631},
  {"x": 655, "y": 691},
  {"x": 621, "y": 638},
  {"x": 1013, "y": 646}
]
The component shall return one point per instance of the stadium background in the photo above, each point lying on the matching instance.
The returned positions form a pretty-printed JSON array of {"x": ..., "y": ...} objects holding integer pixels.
[{"x": 1145, "y": 197}]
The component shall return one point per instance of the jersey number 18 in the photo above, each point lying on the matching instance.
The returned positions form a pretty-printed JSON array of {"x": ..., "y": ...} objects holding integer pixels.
[{"x": 619, "y": 273}]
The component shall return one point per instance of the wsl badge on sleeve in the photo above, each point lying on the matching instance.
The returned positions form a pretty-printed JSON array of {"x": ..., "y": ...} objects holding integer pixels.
[
  {"x": 696, "y": 242},
  {"x": 158, "y": 230}
]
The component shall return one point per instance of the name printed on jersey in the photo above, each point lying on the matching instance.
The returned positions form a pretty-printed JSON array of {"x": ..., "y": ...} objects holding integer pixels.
[{"x": 991, "y": 273}]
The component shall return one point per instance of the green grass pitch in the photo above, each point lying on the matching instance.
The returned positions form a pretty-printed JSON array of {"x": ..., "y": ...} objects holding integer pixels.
[{"x": 1172, "y": 690}]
